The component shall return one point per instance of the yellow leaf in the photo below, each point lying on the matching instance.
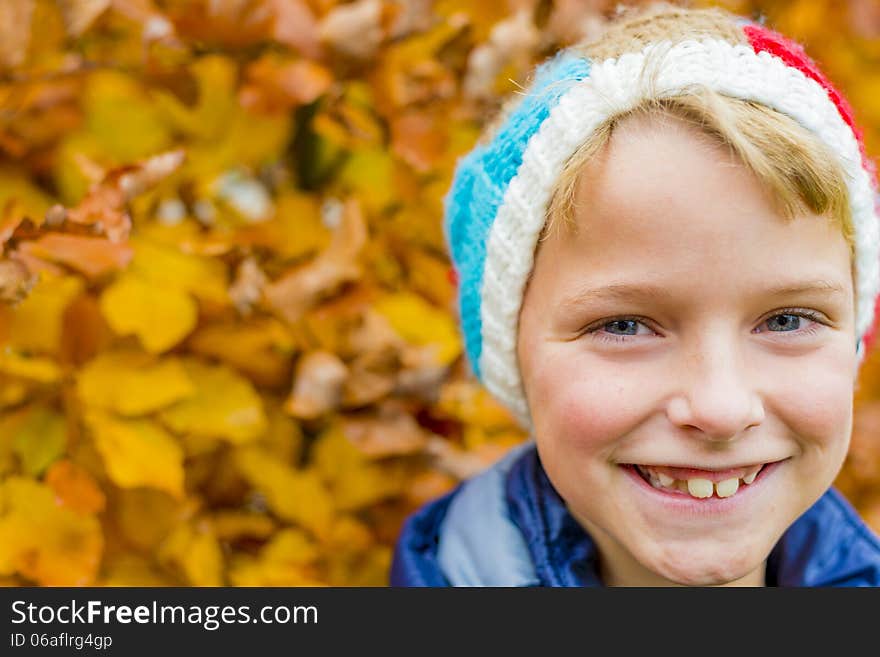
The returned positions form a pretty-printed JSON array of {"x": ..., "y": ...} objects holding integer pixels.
[
  {"x": 38, "y": 320},
  {"x": 10, "y": 424},
  {"x": 129, "y": 569},
  {"x": 138, "y": 453},
  {"x": 196, "y": 552},
  {"x": 45, "y": 542},
  {"x": 159, "y": 317},
  {"x": 223, "y": 134},
  {"x": 225, "y": 405},
  {"x": 40, "y": 440},
  {"x": 354, "y": 481},
  {"x": 296, "y": 231},
  {"x": 420, "y": 323},
  {"x": 295, "y": 495},
  {"x": 121, "y": 117},
  {"x": 36, "y": 368},
  {"x": 368, "y": 173},
  {"x": 32, "y": 201},
  {"x": 287, "y": 560},
  {"x": 146, "y": 516},
  {"x": 132, "y": 383},
  {"x": 165, "y": 266},
  {"x": 261, "y": 348}
]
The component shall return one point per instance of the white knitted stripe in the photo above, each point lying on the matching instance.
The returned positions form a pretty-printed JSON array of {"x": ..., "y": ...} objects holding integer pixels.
[{"x": 618, "y": 85}]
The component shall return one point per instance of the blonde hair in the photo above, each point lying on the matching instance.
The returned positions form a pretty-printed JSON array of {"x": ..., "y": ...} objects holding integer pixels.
[{"x": 800, "y": 172}]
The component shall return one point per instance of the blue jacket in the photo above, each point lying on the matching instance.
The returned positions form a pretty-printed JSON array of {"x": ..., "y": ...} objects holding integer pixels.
[{"x": 507, "y": 526}]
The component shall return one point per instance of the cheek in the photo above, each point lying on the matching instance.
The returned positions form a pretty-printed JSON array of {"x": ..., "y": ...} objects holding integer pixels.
[
  {"x": 816, "y": 403},
  {"x": 580, "y": 404}
]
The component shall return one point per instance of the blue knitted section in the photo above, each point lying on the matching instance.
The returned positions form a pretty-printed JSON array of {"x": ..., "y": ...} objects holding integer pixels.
[{"x": 480, "y": 181}]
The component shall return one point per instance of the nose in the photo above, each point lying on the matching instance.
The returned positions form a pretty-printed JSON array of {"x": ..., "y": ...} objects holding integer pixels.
[{"x": 717, "y": 398}]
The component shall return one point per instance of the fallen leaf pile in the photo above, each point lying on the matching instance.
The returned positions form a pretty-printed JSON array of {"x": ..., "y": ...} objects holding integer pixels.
[{"x": 230, "y": 353}]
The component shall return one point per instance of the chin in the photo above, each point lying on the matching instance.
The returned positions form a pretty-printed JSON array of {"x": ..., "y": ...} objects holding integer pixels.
[{"x": 709, "y": 567}]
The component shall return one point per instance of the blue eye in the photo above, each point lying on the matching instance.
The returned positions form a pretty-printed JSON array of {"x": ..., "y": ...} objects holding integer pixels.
[
  {"x": 629, "y": 326},
  {"x": 786, "y": 322}
]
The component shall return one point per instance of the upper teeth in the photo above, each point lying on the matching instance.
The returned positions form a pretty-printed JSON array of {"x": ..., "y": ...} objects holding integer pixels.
[{"x": 699, "y": 487}]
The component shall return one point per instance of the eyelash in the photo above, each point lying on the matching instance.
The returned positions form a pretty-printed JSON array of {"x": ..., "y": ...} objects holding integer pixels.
[{"x": 798, "y": 312}]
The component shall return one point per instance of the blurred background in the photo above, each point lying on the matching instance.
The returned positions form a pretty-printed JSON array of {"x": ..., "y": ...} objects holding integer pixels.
[{"x": 230, "y": 353}]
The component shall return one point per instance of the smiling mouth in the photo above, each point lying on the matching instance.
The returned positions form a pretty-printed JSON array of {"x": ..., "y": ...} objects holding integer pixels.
[{"x": 699, "y": 484}]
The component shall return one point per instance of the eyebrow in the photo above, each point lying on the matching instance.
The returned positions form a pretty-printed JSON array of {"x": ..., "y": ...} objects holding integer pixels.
[{"x": 629, "y": 292}]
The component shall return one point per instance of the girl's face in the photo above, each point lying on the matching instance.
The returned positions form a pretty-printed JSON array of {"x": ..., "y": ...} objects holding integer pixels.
[{"x": 689, "y": 359}]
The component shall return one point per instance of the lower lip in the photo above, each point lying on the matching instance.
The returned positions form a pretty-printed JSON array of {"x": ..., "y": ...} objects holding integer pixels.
[{"x": 678, "y": 502}]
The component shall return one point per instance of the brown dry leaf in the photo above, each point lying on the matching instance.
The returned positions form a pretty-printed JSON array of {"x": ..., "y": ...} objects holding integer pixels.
[
  {"x": 16, "y": 280},
  {"x": 295, "y": 26},
  {"x": 371, "y": 376},
  {"x": 75, "y": 488},
  {"x": 281, "y": 86},
  {"x": 247, "y": 288},
  {"x": 298, "y": 290},
  {"x": 391, "y": 431},
  {"x": 511, "y": 48},
  {"x": 355, "y": 29},
  {"x": 43, "y": 541},
  {"x": 317, "y": 385},
  {"x": 80, "y": 14},
  {"x": 92, "y": 256},
  {"x": 223, "y": 23},
  {"x": 419, "y": 138},
  {"x": 15, "y": 31},
  {"x": 104, "y": 207}
]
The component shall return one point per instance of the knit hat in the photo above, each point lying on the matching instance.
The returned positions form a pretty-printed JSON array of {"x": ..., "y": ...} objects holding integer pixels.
[{"x": 496, "y": 206}]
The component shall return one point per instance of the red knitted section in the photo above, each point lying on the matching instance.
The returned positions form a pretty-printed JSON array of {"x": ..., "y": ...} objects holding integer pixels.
[{"x": 793, "y": 54}]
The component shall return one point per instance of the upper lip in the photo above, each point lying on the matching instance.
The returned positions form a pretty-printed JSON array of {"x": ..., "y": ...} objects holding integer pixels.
[{"x": 715, "y": 468}]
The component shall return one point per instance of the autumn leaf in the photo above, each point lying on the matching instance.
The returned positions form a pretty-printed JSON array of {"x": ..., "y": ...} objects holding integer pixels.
[
  {"x": 138, "y": 452},
  {"x": 75, "y": 488},
  {"x": 193, "y": 550},
  {"x": 160, "y": 318},
  {"x": 132, "y": 383},
  {"x": 38, "y": 320},
  {"x": 40, "y": 440},
  {"x": 295, "y": 495},
  {"x": 420, "y": 323},
  {"x": 43, "y": 541},
  {"x": 317, "y": 385},
  {"x": 91, "y": 256},
  {"x": 223, "y": 405}
]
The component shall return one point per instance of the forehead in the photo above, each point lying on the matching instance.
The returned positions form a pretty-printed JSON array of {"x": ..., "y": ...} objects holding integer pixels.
[{"x": 664, "y": 201}]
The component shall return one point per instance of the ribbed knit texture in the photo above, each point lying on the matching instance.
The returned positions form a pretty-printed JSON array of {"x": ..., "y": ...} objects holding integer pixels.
[{"x": 480, "y": 182}]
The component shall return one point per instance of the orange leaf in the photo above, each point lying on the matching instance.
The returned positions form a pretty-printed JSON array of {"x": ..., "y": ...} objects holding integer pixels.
[
  {"x": 75, "y": 487},
  {"x": 43, "y": 541},
  {"x": 92, "y": 256}
]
